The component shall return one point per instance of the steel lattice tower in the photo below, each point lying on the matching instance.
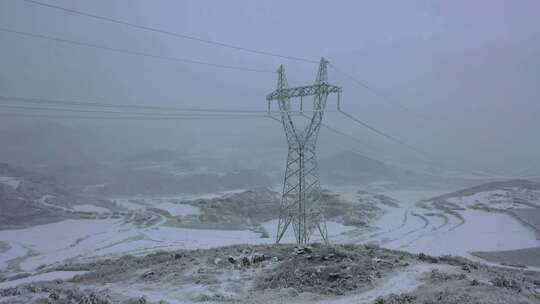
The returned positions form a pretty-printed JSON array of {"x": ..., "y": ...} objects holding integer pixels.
[{"x": 300, "y": 202}]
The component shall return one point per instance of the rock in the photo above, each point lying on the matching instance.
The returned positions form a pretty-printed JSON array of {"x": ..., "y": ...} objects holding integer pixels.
[
  {"x": 372, "y": 245},
  {"x": 257, "y": 258},
  {"x": 148, "y": 274},
  {"x": 142, "y": 300},
  {"x": 54, "y": 296},
  {"x": 302, "y": 250},
  {"x": 514, "y": 265},
  {"x": 328, "y": 256},
  {"x": 249, "y": 257},
  {"x": 504, "y": 282},
  {"x": 427, "y": 258},
  {"x": 396, "y": 299},
  {"x": 334, "y": 276}
]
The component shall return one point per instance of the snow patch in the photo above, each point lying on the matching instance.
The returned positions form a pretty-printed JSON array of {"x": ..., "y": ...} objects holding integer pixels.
[
  {"x": 90, "y": 208},
  {"x": 87, "y": 239},
  {"x": 482, "y": 231},
  {"x": 57, "y": 241},
  {"x": 129, "y": 203},
  {"x": 179, "y": 209},
  {"x": 10, "y": 181},
  {"x": 334, "y": 229},
  {"x": 15, "y": 251}
]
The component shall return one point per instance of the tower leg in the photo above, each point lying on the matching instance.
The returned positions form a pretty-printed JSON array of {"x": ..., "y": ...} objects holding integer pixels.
[
  {"x": 301, "y": 205},
  {"x": 300, "y": 202}
]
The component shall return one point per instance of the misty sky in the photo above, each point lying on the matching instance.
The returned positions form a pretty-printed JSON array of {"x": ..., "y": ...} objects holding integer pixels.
[{"x": 461, "y": 77}]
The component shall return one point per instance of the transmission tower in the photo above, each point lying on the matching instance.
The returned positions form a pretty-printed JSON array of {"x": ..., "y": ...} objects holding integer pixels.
[{"x": 300, "y": 201}]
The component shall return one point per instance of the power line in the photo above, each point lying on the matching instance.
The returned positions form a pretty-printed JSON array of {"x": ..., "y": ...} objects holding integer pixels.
[
  {"x": 336, "y": 131},
  {"x": 390, "y": 137},
  {"x": 386, "y": 135},
  {"x": 155, "y": 116},
  {"x": 371, "y": 89},
  {"x": 169, "y": 33},
  {"x": 121, "y": 106},
  {"x": 125, "y": 117},
  {"x": 412, "y": 148},
  {"x": 32, "y": 108},
  {"x": 135, "y": 53},
  {"x": 186, "y": 61},
  {"x": 486, "y": 175},
  {"x": 273, "y": 118},
  {"x": 45, "y": 101},
  {"x": 355, "y": 139},
  {"x": 327, "y": 127}
]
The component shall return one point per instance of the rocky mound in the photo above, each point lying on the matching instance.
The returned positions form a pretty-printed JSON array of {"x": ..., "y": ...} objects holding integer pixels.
[
  {"x": 332, "y": 270},
  {"x": 351, "y": 168},
  {"x": 272, "y": 273},
  {"x": 249, "y": 209}
]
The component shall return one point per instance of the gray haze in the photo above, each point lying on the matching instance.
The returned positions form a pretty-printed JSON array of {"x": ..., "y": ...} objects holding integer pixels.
[{"x": 466, "y": 71}]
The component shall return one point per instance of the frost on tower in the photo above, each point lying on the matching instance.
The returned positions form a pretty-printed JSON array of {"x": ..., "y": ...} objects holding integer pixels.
[{"x": 300, "y": 202}]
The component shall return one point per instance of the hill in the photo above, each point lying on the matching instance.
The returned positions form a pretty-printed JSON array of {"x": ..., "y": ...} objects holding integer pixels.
[
  {"x": 28, "y": 199},
  {"x": 353, "y": 168}
]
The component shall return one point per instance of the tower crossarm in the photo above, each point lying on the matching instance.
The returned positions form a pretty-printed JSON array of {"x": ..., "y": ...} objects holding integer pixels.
[{"x": 309, "y": 90}]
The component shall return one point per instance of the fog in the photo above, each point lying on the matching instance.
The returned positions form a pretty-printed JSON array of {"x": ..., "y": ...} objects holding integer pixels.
[
  {"x": 457, "y": 80},
  {"x": 139, "y": 163}
]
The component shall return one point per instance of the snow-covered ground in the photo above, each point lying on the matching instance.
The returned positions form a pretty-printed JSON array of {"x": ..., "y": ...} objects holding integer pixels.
[
  {"x": 334, "y": 229},
  {"x": 501, "y": 199},
  {"x": 90, "y": 208},
  {"x": 475, "y": 231},
  {"x": 404, "y": 281},
  {"x": 83, "y": 239},
  {"x": 48, "y": 276},
  {"x": 87, "y": 239},
  {"x": 414, "y": 229},
  {"x": 141, "y": 201},
  {"x": 481, "y": 231},
  {"x": 408, "y": 227},
  {"x": 176, "y": 209},
  {"x": 56, "y": 242},
  {"x": 10, "y": 181}
]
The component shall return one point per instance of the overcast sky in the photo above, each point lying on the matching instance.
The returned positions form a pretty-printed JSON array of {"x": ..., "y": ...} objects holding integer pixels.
[{"x": 460, "y": 78}]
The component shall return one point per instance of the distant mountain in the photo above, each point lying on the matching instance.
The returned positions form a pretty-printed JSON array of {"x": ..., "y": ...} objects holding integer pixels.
[
  {"x": 157, "y": 155},
  {"x": 47, "y": 143},
  {"x": 353, "y": 168},
  {"x": 18, "y": 210},
  {"x": 11, "y": 170},
  {"x": 517, "y": 198},
  {"x": 130, "y": 182},
  {"x": 515, "y": 184}
]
